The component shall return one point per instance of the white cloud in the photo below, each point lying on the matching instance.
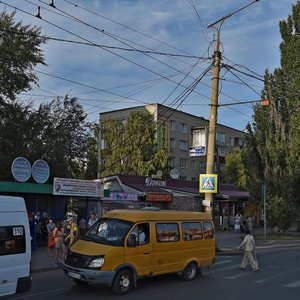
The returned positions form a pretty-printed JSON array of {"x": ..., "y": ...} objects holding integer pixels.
[{"x": 250, "y": 38}]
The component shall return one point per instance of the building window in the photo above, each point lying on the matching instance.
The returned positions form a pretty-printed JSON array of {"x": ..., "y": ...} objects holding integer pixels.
[
  {"x": 202, "y": 166},
  {"x": 183, "y": 145},
  {"x": 193, "y": 164},
  {"x": 172, "y": 161},
  {"x": 221, "y": 151},
  {"x": 183, "y": 178},
  {"x": 172, "y": 143},
  {"x": 183, "y": 163},
  {"x": 199, "y": 137},
  {"x": 183, "y": 128},
  {"x": 220, "y": 138},
  {"x": 173, "y": 125}
]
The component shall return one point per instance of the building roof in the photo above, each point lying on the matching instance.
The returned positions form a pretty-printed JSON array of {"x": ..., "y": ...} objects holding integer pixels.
[{"x": 164, "y": 186}]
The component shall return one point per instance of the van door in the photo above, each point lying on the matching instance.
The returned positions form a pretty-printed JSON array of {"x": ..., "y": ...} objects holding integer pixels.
[{"x": 138, "y": 249}]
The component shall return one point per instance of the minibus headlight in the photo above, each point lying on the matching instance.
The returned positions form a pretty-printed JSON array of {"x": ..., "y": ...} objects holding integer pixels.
[{"x": 97, "y": 263}]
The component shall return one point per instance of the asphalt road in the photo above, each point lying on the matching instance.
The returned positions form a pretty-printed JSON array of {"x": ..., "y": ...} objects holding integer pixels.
[{"x": 279, "y": 279}]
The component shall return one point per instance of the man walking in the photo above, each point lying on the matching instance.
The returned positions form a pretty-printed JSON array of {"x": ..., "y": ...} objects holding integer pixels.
[{"x": 249, "y": 247}]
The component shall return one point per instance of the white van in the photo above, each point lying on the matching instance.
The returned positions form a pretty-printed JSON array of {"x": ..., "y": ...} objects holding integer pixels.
[{"x": 15, "y": 246}]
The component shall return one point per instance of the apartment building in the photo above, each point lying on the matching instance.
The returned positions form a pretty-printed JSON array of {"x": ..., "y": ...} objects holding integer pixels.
[{"x": 185, "y": 136}]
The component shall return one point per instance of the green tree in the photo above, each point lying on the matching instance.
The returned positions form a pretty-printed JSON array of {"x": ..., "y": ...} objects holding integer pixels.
[
  {"x": 272, "y": 154},
  {"x": 91, "y": 171},
  {"x": 131, "y": 147},
  {"x": 20, "y": 52},
  {"x": 234, "y": 170},
  {"x": 65, "y": 137}
]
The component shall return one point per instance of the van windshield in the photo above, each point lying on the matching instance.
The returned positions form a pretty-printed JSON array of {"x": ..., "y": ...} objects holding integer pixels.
[{"x": 109, "y": 231}]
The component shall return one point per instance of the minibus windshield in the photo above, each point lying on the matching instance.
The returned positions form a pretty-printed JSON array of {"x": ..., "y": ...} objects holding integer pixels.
[{"x": 109, "y": 231}]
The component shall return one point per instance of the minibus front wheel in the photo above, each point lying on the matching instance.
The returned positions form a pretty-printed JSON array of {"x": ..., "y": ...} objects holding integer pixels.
[
  {"x": 190, "y": 272},
  {"x": 123, "y": 282}
]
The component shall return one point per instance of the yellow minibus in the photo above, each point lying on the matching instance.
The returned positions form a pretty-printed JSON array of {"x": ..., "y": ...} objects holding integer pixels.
[{"x": 125, "y": 245}]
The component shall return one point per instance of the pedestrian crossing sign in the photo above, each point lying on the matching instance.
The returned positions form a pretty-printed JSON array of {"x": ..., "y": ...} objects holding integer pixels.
[{"x": 208, "y": 183}]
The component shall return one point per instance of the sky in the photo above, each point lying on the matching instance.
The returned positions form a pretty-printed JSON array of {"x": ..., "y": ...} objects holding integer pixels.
[{"x": 115, "y": 54}]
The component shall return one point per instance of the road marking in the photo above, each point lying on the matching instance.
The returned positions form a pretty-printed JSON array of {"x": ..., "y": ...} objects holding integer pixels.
[
  {"x": 228, "y": 268},
  {"x": 222, "y": 262},
  {"x": 238, "y": 275},
  {"x": 294, "y": 284}
]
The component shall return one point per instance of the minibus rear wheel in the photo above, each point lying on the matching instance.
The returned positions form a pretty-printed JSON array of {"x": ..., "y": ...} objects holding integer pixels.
[
  {"x": 190, "y": 272},
  {"x": 123, "y": 282}
]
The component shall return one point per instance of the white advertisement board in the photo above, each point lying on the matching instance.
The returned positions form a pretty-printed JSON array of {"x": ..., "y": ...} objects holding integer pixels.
[{"x": 77, "y": 187}]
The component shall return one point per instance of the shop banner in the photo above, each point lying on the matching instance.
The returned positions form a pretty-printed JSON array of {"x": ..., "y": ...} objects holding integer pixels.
[
  {"x": 158, "y": 197},
  {"x": 118, "y": 196},
  {"x": 77, "y": 187}
]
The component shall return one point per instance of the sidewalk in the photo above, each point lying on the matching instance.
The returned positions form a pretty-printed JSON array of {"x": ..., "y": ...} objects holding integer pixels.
[{"x": 227, "y": 243}]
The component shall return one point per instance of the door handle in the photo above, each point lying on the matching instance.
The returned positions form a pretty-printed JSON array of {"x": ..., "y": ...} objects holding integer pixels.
[{"x": 147, "y": 253}]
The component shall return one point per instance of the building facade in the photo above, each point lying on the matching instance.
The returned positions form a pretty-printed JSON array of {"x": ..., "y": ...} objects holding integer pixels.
[{"x": 185, "y": 136}]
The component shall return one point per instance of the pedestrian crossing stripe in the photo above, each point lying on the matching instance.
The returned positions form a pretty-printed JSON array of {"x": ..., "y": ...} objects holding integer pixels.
[{"x": 208, "y": 183}]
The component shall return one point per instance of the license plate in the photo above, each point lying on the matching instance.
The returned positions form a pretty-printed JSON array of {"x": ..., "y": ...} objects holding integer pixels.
[{"x": 74, "y": 275}]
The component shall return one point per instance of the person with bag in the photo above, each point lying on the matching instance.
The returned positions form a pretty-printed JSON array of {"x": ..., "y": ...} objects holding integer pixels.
[
  {"x": 51, "y": 242},
  {"x": 249, "y": 247},
  {"x": 58, "y": 234}
]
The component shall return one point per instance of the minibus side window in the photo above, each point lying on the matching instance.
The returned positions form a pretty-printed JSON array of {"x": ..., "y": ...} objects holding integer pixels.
[
  {"x": 209, "y": 232},
  {"x": 12, "y": 240},
  {"x": 141, "y": 233},
  {"x": 167, "y": 232},
  {"x": 192, "y": 231}
]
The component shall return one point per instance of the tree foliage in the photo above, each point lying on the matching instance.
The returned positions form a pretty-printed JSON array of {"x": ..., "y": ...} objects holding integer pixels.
[
  {"x": 272, "y": 153},
  {"x": 131, "y": 147},
  {"x": 56, "y": 132},
  {"x": 20, "y": 52},
  {"x": 234, "y": 170}
]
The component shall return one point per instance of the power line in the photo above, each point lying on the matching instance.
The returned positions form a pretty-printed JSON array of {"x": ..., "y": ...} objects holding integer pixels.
[{"x": 103, "y": 46}]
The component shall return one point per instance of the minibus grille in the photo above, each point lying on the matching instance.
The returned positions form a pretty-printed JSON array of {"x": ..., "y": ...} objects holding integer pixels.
[{"x": 77, "y": 260}]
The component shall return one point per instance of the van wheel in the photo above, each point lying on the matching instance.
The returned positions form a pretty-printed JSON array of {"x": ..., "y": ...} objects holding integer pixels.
[
  {"x": 190, "y": 272},
  {"x": 80, "y": 282},
  {"x": 123, "y": 282}
]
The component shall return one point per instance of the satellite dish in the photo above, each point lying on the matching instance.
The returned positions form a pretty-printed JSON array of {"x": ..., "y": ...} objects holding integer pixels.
[
  {"x": 159, "y": 173},
  {"x": 174, "y": 173}
]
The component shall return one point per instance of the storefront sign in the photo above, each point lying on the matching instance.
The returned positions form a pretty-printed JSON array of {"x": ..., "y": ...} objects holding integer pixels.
[
  {"x": 151, "y": 182},
  {"x": 159, "y": 197},
  {"x": 116, "y": 196},
  {"x": 21, "y": 169},
  {"x": 77, "y": 187},
  {"x": 40, "y": 171}
]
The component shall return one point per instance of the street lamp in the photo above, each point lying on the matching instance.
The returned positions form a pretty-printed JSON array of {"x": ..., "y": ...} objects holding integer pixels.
[{"x": 209, "y": 197}]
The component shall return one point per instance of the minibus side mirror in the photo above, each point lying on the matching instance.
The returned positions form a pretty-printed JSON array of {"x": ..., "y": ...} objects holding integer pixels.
[{"x": 131, "y": 242}]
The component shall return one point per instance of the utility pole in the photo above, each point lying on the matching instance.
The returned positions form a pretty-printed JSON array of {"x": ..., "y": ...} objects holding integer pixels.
[
  {"x": 99, "y": 147},
  {"x": 210, "y": 164}
]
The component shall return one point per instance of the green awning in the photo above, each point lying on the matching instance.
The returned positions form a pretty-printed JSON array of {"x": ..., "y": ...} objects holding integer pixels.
[{"x": 19, "y": 187}]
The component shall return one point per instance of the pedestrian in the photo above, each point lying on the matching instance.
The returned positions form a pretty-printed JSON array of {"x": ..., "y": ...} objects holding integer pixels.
[
  {"x": 73, "y": 234},
  {"x": 58, "y": 234},
  {"x": 82, "y": 226},
  {"x": 237, "y": 223},
  {"x": 248, "y": 245},
  {"x": 50, "y": 228},
  {"x": 225, "y": 222},
  {"x": 250, "y": 224},
  {"x": 92, "y": 220}
]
